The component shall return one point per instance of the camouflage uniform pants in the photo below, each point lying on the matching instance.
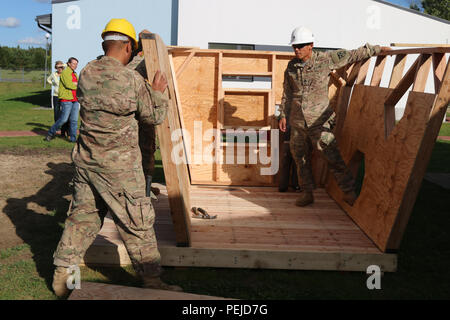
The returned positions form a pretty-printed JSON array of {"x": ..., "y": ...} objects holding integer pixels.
[
  {"x": 302, "y": 142},
  {"x": 123, "y": 194}
]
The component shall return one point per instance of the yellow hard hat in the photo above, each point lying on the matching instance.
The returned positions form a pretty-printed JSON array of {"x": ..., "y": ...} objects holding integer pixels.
[{"x": 123, "y": 26}]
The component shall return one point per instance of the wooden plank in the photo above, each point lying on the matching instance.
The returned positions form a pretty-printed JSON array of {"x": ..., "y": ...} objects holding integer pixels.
[
  {"x": 200, "y": 97},
  {"x": 104, "y": 291},
  {"x": 220, "y": 117},
  {"x": 378, "y": 71},
  {"x": 246, "y": 90},
  {"x": 338, "y": 78},
  {"x": 271, "y": 118},
  {"x": 308, "y": 259},
  {"x": 422, "y": 73},
  {"x": 176, "y": 175},
  {"x": 177, "y": 94},
  {"x": 247, "y": 63},
  {"x": 240, "y": 73},
  {"x": 397, "y": 70},
  {"x": 352, "y": 73},
  {"x": 281, "y": 63},
  {"x": 363, "y": 71},
  {"x": 439, "y": 63},
  {"x": 404, "y": 83},
  {"x": 422, "y": 45},
  {"x": 434, "y": 122},
  {"x": 439, "y": 49}
]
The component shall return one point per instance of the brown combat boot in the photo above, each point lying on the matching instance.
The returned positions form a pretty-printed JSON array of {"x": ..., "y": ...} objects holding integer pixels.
[
  {"x": 60, "y": 282},
  {"x": 306, "y": 198},
  {"x": 350, "y": 197},
  {"x": 157, "y": 283}
]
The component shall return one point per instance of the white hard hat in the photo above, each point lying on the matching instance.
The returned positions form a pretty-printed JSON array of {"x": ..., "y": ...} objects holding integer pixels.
[{"x": 301, "y": 35}]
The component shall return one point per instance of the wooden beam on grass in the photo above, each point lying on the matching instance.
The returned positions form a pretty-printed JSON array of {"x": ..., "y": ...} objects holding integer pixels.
[{"x": 176, "y": 174}]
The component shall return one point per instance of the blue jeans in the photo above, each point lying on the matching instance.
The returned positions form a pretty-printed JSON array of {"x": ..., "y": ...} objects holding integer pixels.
[
  {"x": 57, "y": 113},
  {"x": 69, "y": 110}
]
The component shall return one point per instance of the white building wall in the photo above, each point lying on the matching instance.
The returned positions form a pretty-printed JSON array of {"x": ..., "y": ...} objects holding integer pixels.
[{"x": 336, "y": 24}]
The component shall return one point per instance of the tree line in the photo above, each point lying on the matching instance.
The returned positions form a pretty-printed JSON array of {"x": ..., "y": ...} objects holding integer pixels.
[
  {"x": 437, "y": 8},
  {"x": 28, "y": 59}
]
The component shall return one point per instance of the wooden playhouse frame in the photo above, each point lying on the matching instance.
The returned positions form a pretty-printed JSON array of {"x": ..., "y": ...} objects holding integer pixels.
[{"x": 258, "y": 227}]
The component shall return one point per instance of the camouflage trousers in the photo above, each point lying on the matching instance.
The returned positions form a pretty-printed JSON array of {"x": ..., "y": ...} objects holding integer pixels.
[
  {"x": 304, "y": 139},
  {"x": 123, "y": 195}
]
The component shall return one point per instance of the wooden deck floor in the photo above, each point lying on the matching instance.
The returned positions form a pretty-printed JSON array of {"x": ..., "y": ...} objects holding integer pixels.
[{"x": 255, "y": 228}]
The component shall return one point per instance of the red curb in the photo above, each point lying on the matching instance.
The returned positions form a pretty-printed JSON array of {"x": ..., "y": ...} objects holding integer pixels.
[
  {"x": 38, "y": 132},
  {"x": 444, "y": 138},
  {"x": 20, "y": 133}
]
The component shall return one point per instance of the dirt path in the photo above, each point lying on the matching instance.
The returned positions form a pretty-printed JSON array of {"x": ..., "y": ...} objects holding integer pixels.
[{"x": 33, "y": 185}]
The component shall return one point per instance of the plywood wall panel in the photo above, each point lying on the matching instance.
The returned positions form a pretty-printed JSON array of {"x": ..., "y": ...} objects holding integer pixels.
[
  {"x": 246, "y": 63},
  {"x": 388, "y": 162},
  {"x": 245, "y": 109}
]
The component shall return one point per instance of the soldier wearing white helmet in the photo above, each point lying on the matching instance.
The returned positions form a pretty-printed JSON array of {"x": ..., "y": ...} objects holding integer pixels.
[{"x": 311, "y": 118}]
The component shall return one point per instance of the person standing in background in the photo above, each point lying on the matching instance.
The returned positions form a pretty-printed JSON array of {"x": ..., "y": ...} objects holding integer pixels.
[
  {"x": 53, "y": 80},
  {"x": 70, "y": 107}
]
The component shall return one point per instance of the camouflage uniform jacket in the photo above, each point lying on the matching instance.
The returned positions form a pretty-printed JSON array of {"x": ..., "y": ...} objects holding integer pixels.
[
  {"x": 305, "y": 87},
  {"x": 114, "y": 99}
]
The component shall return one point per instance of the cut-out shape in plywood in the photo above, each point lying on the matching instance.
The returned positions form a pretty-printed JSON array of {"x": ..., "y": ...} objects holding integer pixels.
[{"x": 389, "y": 163}]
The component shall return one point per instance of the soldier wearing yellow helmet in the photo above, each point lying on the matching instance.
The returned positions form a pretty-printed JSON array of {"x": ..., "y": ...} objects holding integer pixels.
[{"x": 115, "y": 102}]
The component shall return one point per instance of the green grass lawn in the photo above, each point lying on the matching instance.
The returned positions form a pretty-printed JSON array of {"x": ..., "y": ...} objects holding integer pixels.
[
  {"x": 445, "y": 129},
  {"x": 423, "y": 257},
  {"x": 33, "y": 75},
  {"x": 21, "y": 107}
]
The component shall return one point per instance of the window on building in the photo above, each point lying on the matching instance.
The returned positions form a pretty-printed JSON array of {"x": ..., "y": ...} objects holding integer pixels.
[{"x": 230, "y": 46}]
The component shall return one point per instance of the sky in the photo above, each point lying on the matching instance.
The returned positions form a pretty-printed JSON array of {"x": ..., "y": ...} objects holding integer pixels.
[{"x": 19, "y": 28}]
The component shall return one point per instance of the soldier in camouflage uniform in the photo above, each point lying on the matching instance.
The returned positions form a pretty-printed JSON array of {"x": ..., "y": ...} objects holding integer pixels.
[
  {"x": 305, "y": 102},
  {"x": 109, "y": 176}
]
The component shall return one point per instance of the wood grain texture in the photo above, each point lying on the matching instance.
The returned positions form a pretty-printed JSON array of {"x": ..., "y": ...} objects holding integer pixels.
[
  {"x": 176, "y": 175},
  {"x": 104, "y": 291},
  {"x": 433, "y": 124},
  {"x": 397, "y": 70},
  {"x": 378, "y": 71},
  {"x": 245, "y": 109},
  {"x": 439, "y": 64},
  {"x": 256, "y": 227},
  {"x": 388, "y": 162}
]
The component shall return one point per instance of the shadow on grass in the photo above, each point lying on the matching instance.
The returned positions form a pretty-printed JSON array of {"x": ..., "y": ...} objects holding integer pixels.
[
  {"x": 43, "y": 231},
  {"x": 40, "y": 98},
  {"x": 40, "y": 129}
]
